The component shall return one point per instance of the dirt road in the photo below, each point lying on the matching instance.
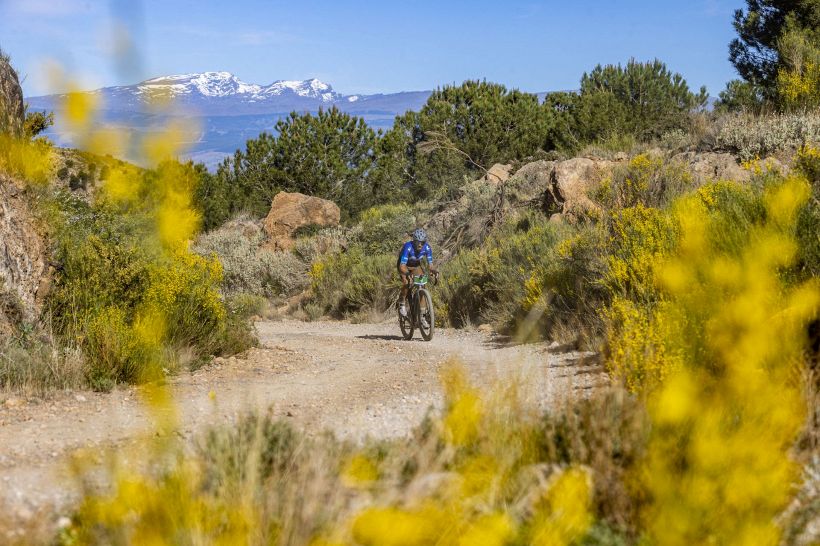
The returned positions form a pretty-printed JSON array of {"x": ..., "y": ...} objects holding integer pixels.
[{"x": 357, "y": 380}]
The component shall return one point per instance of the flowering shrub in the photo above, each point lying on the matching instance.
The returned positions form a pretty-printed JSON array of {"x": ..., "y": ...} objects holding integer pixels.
[
  {"x": 800, "y": 88},
  {"x": 640, "y": 237},
  {"x": 647, "y": 179},
  {"x": 186, "y": 289},
  {"x": 111, "y": 286},
  {"x": 30, "y": 160},
  {"x": 807, "y": 162},
  {"x": 718, "y": 468}
]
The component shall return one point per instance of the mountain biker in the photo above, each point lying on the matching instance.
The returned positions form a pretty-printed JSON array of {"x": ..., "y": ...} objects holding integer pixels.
[{"x": 410, "y": 257}]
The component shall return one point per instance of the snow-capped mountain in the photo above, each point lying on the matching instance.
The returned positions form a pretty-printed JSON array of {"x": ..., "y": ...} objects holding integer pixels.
[
  {"x": 229, "y": 110},
  {"x": 225, "y": 84},
  {"x": 224, "y": 94}
]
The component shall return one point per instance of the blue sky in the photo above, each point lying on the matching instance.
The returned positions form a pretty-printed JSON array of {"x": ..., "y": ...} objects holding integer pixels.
[{"x": 367, "y": 47}]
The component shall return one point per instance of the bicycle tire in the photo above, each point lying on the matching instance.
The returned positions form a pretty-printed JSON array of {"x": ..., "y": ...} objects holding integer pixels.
[
  {"x": 406, "y": 324},
  {"x": 430, "y": 315}
]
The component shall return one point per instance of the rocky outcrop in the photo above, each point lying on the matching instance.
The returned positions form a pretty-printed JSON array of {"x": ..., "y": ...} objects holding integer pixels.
[
  {"x": 23, "y": 260},
  {"x": 290, "y": 211},
  {"x": 571, "y": 182},
  {"x": 528, "y": 182},
  {"x": 706, "y": 166},
  {"x": 12, "y": 111},
  {"x": 566, "y": 186}
]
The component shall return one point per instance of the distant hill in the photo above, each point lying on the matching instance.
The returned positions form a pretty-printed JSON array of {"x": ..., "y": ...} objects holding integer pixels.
[{"x": 228, "y": 110}]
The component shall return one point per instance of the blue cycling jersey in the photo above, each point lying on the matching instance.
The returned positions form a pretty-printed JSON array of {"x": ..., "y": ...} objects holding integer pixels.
[{"x": 409, "y": 256}]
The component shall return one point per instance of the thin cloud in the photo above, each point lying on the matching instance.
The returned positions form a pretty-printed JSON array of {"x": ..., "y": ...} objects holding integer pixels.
[
  {"x": 46, "y": 8},
  {"x": 718, "y": 8},
  {"x": 248, "y": 37}
]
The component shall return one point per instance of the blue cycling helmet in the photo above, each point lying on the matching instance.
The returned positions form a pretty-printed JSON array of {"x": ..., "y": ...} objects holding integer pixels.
[{"x": 420, "y": 235}]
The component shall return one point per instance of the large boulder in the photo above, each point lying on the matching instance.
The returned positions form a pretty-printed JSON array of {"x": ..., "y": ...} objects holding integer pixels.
[
  {"x": 24, "y": 269},
  {"x": 572, "y": 181},
  {"x": 290, "y": 211},
  {"x": 529, "y": 182},
  {"x": 12, "y": 111}
]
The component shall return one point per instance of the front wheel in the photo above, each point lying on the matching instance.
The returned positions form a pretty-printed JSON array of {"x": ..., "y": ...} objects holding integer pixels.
[
  {"x": 406, "y": 324},
  {"x": 427, "y": 319}
]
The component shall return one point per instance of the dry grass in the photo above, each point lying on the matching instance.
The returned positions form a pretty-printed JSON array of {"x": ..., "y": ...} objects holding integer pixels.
[{"x": 33, "y": 363}]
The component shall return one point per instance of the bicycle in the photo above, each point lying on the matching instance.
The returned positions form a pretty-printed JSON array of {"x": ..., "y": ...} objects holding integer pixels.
[{"x": 420, "y": 312}]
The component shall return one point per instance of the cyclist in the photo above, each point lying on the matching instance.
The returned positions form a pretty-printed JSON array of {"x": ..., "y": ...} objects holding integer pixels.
[{"x": 410, "y": 257}]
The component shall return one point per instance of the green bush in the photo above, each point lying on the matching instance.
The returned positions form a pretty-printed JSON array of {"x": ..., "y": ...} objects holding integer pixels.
[
  {"x": 531, "y": 278},
  {"x": 130, "y": 305},
  {"x": 642, "y": 100},
  {"x": 383, "y": 229},
  {"x": 354, "y": 280},
  {"x": 808, "y": 221}
]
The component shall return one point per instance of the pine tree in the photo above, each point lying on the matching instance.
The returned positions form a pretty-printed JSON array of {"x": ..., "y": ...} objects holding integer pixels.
[
  {"x": 776, "y": 53},
  {"x": 461, "y": 131},
  {"x": 642, "y": 100},
  {"x": 755, "y": 53},
  {"x": 330, "y": 155}
]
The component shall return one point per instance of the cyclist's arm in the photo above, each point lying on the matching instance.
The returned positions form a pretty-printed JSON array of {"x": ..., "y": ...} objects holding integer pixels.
[
  {"x": 405, "y": 255},
  {"x": 429, "y": 251}
]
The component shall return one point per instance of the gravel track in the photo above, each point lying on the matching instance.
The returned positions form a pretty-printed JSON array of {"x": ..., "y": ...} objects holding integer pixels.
[{"x": 357, "y": 380}]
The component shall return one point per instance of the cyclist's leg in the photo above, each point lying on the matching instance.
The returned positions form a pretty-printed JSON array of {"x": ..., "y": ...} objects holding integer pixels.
[
  {"x": 405, "y": 282},
  {"x": 411, "y": 272}
]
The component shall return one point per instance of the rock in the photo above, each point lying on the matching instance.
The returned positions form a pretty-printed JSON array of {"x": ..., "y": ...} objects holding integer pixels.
[
  {"x": 529, "y": 181},
  {"x": 706, "y": 166},
  {"x": 572, "y": 180},
  {"x": 13, "y": 403},
  {"x": 23, "y": 260},
  {"x": 248, "y": 227},
  {"x": 774, "y": 165},
  {"x": 556, "y": 218},
  {"x": 24, "y": 513},
  {"x": 498, "y": 173},
  {"x": 79, "y": 398},
  {"x": 12, "y": 111},
  {"x": 290, "y": 211}
]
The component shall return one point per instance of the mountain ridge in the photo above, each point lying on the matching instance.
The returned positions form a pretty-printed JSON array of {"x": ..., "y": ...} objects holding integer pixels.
[
  {"x": 229, "y": 110},
  {"x": 224, "y": 94}
]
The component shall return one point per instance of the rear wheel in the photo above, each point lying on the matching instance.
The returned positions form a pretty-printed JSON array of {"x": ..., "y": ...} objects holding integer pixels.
[{"x": 426, "y": 315}]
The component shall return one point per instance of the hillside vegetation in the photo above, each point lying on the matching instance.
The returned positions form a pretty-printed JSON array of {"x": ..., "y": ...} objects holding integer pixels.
[{"x": 679, "y": 243}]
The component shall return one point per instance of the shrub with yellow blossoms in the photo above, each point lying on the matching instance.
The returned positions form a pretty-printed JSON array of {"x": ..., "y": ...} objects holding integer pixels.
[{"x": 718, "y": 470}]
